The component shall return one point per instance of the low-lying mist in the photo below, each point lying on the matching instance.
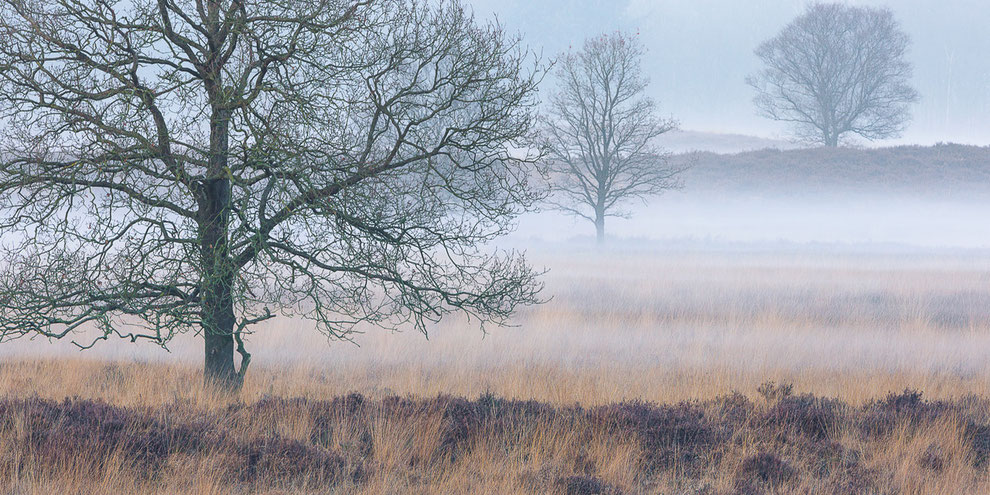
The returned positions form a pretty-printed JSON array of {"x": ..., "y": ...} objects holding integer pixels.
[
  {"x": 817, "y": 218},
  {"x": 667, "y": 324}
]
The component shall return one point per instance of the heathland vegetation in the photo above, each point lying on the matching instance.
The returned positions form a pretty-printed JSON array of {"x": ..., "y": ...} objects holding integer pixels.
[{"x": 109, "y": 440}]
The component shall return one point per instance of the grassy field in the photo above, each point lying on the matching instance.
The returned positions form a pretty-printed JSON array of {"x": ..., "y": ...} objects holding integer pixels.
[{"x": 646, "y": 373}]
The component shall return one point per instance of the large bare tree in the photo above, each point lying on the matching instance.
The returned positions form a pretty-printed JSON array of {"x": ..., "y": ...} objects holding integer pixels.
[
  {"x": 204, "y": 165},
  {"x": 837, "y": 70},
  {"x": 602, "y": 132}
]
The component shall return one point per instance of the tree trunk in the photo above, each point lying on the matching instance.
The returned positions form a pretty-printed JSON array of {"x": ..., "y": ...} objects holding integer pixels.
[
  {"x": 218, "y": 275},
  {"x": 218, "y": 368},
  {"x": 600, "y": 225},
  {"x": 217, "y": 297},
  {"x": 831, "y": 139}
]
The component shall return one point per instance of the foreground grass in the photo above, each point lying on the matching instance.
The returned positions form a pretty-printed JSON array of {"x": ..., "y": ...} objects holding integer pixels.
[{"x": 181, "y": 438}]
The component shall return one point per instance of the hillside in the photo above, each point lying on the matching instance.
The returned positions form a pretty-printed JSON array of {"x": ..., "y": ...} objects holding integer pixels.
[
  {"x": 944, "y": 170},
  {"x": 684, "y": 141}
]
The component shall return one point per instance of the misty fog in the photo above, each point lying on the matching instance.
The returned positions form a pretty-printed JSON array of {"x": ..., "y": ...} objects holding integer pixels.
[
  {"x": 700, "y": 52},
  {"x": 680, "y": 218}
]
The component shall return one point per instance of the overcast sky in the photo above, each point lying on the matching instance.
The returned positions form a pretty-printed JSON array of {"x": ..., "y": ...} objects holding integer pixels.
[{"x": 700, "y": 52}]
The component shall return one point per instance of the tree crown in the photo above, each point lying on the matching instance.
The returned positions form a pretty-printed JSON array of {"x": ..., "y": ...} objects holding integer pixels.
[
  {"x": 837, "y": 70},
  {"x": 360, "y": 156},
  {"x": 603, "y": 130}
]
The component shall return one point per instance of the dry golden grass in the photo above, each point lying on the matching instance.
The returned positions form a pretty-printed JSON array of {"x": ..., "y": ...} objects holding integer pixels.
[{"x": 663, "y": 327}]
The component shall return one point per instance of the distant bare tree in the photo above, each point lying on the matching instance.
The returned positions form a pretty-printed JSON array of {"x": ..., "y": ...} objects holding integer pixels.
[
  {"x": 203, "y": 165},
  {"x": 836, "y": 70},
  {"x": 602, "y": 132}
]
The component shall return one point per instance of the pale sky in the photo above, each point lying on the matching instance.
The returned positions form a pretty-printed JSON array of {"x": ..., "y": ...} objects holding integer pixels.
[{"x": 700, "y": 52}]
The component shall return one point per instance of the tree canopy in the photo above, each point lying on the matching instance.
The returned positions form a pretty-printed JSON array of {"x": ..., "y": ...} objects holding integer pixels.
[
  {"x": 837, "y": 70},
  {"x": 203, "y": 165},
  {"x": 602, "y": 132}
]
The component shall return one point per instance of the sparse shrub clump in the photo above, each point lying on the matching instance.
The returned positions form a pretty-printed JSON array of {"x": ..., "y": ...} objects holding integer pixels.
[{"x": 763, "y": 470}]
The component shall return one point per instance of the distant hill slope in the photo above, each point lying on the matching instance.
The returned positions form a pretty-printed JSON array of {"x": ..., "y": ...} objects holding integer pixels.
[
  {"x": 944, "y": 170},
  {"x": 684, "y": 141}
]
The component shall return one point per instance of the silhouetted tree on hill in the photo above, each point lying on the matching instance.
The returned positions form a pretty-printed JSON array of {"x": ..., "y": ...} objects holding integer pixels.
[{"x": 837, "y": 70}]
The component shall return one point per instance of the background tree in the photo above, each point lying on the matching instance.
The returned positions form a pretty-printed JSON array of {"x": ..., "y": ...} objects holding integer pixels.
[
  {"x": 602, "y": 132},
  {"x": 837, "y": 70},
  {"x": 177, "y": 165}
]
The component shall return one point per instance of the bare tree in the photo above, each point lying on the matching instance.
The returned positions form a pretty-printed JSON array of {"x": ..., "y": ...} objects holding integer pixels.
[
  {"x": 837, "y": 70},
  {"x": 204, "y": 165},
  {"x": 602, "y": 132}
]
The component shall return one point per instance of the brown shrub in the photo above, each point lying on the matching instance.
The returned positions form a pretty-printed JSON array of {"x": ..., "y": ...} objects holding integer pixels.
[{"x": 761, "y": 471}]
